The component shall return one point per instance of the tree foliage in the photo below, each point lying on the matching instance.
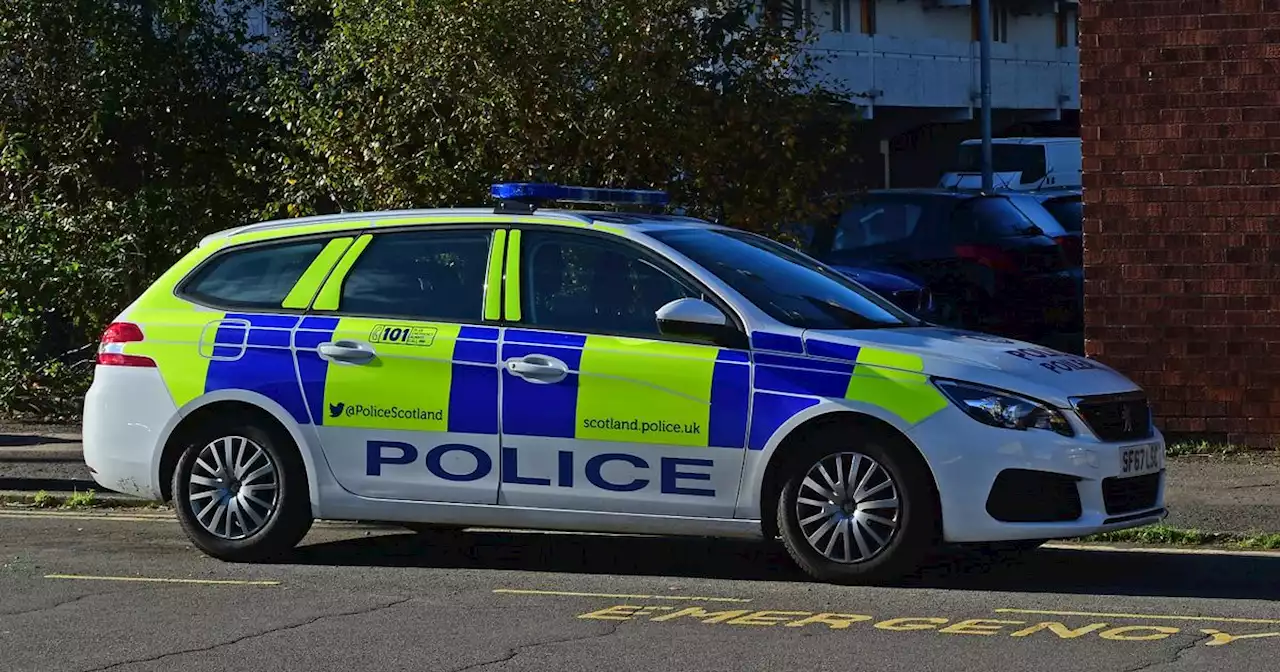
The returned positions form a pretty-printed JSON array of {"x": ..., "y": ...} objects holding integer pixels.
[
  {"x": 409, "y": 103},
  {"x": 130, "y": 128}
]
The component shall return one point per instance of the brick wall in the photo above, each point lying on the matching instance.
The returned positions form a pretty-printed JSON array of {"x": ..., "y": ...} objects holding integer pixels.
[{"x": 1180, "y": 117}]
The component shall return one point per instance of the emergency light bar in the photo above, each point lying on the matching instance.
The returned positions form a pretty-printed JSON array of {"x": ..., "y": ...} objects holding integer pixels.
[{"x": 533, "y": 194}]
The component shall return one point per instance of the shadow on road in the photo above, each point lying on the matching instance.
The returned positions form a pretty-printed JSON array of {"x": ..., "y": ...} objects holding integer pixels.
[
  {"x": 1043, "y": 571},
  {"x": 23, "y": 440}
]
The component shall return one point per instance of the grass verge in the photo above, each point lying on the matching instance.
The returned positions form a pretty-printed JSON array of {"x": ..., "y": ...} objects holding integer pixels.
[
  {"x": 74, "y": 501},
  {"x": 1165, "y": 535},
  {"x": 1185, "y": 448}
]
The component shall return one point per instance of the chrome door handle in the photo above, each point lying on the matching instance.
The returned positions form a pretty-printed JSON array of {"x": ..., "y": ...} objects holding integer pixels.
[
  {"x": 538, "y": 368},
  {"x": 347, "y": 351}
]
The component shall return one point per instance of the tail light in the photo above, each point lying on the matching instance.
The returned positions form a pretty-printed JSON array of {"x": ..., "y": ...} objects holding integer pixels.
[
  {"x": 1072, "y": 249},
  {"x": 111, "y": 349},
  {"x": 991, "y": 257}
]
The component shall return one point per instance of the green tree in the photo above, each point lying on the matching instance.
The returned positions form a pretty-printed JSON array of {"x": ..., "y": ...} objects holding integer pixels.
[
  {"x": 419, "y": 103},
  {"x": 122, "y": 140}
]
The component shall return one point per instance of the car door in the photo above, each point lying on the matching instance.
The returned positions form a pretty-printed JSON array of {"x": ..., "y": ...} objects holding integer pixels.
[
  {"x": 399, "y": 369},
  {"x": 600, "y": 411}
]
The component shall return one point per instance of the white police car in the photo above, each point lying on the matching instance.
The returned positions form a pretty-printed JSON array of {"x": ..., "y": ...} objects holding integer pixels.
[{"x": 596, "y": 371}]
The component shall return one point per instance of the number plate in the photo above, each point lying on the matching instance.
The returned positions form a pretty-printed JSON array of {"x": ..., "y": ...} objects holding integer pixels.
[{"x": 1145, "y": 459}]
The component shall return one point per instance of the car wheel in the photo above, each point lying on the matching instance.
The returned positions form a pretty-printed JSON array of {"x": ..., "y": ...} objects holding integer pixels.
[
  {"x": 857, "y": 510},
  {"x": 240, "y": 492}
]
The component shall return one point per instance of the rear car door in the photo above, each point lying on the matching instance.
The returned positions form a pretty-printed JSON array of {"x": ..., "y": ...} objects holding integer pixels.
[
  {"x": 600, "y": 411},
  {"x": 400, "y": 370}
]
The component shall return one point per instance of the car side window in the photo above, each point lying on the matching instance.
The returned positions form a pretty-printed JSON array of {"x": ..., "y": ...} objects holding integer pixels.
[
  {"x": 585, "y": 284},
  {"x": 874, "y": 224},
  {"x": 424, "y": 275},
  {"x": 256, "y": 277}
]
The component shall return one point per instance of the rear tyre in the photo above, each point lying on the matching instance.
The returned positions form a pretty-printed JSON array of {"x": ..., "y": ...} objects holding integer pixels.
[
  {"x": 857, "y": 509},
  {"x": 240, "y": 491}
]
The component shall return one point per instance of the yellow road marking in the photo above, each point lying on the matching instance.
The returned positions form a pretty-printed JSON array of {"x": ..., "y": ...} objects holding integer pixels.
[
  {"x": 1164, "y": 617},
  {"x": 565, "y": 593},
  {"x": 144, "y": 579}
]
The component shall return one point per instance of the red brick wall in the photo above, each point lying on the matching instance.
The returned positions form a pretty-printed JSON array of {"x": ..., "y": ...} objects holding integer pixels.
[{"x": 1180, "y": 117}]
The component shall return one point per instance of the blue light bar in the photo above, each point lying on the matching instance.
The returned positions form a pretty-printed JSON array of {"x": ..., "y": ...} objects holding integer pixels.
[{"x": 536, "y": 192}]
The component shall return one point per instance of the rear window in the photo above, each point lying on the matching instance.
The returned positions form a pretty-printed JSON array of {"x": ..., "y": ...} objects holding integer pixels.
[
  {"x": 258, "y": 277},
  {"x": 875, "y": 224},
  {"x": 992, "y": 218},
  {"x": 1068, "y": 211},
  {"x": 1005, "y": 159}
]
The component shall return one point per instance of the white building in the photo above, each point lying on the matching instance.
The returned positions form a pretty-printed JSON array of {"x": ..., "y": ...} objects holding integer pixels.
[{"x": 915, "y": 66}]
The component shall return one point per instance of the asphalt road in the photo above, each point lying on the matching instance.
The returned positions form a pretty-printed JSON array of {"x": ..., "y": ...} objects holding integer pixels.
[{"x": 80, "y": 592}]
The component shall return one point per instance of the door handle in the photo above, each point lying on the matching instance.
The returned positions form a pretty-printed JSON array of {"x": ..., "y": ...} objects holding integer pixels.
[
  {"x": 347, "y": 351},
  {"x": 538, "y": 368}
]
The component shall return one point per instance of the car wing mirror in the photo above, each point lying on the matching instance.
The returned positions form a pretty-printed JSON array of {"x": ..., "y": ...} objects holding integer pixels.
[{"x": 693, "y": 318}]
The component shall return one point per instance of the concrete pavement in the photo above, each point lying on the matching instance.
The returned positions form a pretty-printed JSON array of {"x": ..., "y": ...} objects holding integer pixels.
[{"x": 82, "y": 592}]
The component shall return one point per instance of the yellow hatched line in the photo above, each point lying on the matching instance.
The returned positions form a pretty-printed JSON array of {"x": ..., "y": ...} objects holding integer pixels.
[
  {"x": 620, "y": 596},
  {"x": 146, "y": 579},
  {"x": 1164, "y": 617}
]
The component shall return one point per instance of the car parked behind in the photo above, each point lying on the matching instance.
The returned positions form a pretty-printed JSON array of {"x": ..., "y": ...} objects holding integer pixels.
[{"x": 990, "y": 265}]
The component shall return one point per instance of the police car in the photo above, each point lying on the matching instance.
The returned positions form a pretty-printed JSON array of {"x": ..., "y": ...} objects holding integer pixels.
[{"x": 520, "y": 366}]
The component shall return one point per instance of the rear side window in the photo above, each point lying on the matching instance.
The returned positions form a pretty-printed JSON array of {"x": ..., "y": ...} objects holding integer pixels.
[
  {"x": 258, "y": 277},
  {"x": 875, "y": 224},
  {"x": 425, "y": 275},
  {"x": 1068, "y": 211}
]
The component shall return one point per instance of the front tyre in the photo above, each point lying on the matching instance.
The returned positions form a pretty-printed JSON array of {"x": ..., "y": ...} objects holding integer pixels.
[
  {"x": 240, "y": 492},
  {"x": 857, "y": 510}
]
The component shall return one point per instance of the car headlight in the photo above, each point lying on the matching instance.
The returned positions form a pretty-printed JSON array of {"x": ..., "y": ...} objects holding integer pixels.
[{"x": 1004, "y": 409}]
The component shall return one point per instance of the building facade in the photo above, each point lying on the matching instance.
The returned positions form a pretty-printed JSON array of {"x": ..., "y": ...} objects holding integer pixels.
[
  {"x": 1181, "y": 133},
  {"x": 914, "y": 67}
]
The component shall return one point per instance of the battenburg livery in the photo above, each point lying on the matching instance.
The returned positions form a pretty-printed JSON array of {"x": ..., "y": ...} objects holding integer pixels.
[{"x": 594, "y": 371}]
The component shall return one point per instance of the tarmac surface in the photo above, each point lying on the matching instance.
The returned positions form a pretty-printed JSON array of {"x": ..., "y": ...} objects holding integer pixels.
[{"x": 125, "y": 591}]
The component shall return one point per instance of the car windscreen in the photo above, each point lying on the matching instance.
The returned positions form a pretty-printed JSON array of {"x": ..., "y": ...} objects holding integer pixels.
[
  {"x": 1005, "y": 158},
  {"x": 788, "y": 286},
  {"x": 1068, "y": 211},
  {"x": 875, "y": 223}
]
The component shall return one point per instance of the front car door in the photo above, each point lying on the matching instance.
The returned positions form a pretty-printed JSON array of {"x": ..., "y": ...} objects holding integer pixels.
[
  {"x": 399, "y": 370},
  {"x": 600, "y": 412}
]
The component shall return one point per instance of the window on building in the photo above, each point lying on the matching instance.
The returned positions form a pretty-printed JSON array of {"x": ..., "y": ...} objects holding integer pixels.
[
  {"x": 1068, "y": 25},
  {"x": 841, "y": 19},
  {"x": 999, "y": 21},
  {"x": 868, "y": 18}
]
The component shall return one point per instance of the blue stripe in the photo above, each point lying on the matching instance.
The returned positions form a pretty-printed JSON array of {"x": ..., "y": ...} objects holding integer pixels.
[
  {"x": 843, "y": 351},
  {"x": 227, "y": 351},
  {"x": 476, "y": 353},
  {"x": 266, "y": 320},
  {"x": 271, "y": 338},
  {"x": 769, "y": 412},
  {"x": 795, "y": 381},
  {"x": 269, "y": 372},
  {"x": 230, "y": 335},
  {"x": 473, "y": 399},
  {"x": 544, "y": 338},
  {"x": 320, "y": 323},
  {"x": 804, "y": 363},
  {"x": 479, "y": 333},
  {"x": 533, "y": 409},
  {"x": 312, "y": 370},
  {"x": 730, "y": 396},
  {"x": 779, "y": 342},
  {"x": 733, "y": 356}
]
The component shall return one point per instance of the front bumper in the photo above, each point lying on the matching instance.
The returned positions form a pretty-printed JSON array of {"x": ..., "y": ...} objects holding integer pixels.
[{"x": 1003, "y": 485}]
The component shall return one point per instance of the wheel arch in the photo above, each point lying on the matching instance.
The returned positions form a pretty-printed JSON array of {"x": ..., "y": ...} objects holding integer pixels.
[
  {"x": 218, "y": 405},
  {"x": 765, "y": 479}
]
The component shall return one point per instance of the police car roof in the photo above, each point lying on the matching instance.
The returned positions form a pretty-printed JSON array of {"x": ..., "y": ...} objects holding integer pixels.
[{"x": 359, "y": 220}]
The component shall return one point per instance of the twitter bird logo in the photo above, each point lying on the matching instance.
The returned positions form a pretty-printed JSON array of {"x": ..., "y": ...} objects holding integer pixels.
[{"x": 335, "y": 410}]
